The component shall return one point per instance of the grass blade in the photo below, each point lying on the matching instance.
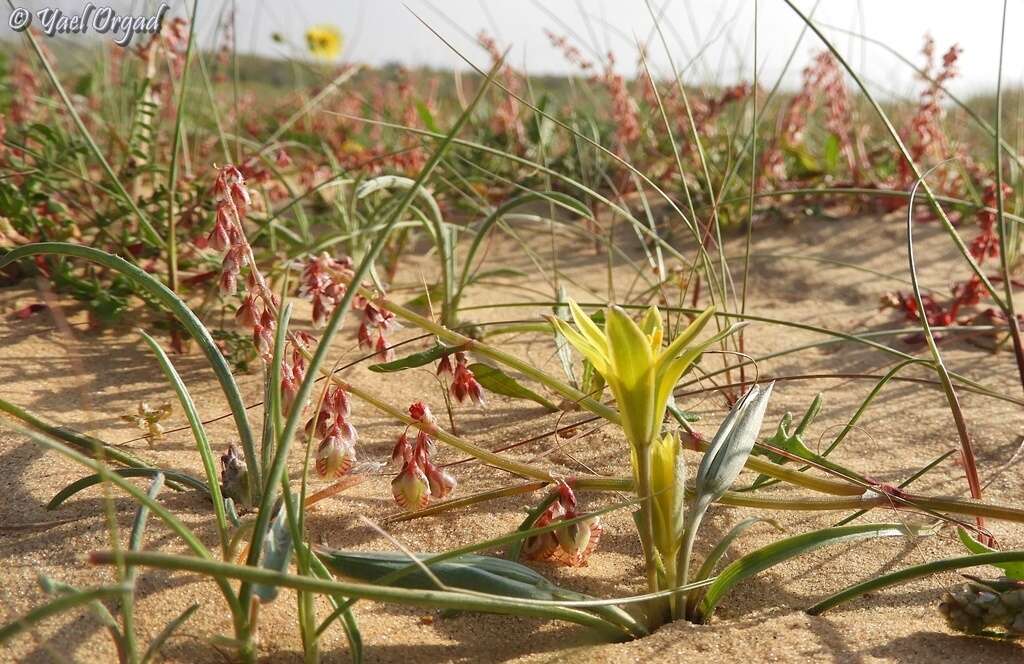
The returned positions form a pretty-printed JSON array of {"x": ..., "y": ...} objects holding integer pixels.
[
  {"x": 777, "y": 552},
  {"x": 198, "y": 432},
  {"x": 917, "y": 571},
  {"x": 91, "y": 480}
]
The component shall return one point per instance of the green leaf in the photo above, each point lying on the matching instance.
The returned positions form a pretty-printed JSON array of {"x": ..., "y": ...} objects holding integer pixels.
[
  {"x": 100, "y": 612},
  {"x": 415, "y": 360},
  {"x": 1012, "y": 570},
  {"x": 426, "y": 117},
  {"x": 342, "y": 609},
  {"x": 707, "y": 568},
  {"x": 91, "y": 480},
  {"x": 499, "y": 382},
  {"x": 460, "y": 601},
  {"x": 80, "y": 441},
  {"x": 781, "y": 551},
  {"x": 497, "y": 272},
  {"x": 485, "y": 574}
]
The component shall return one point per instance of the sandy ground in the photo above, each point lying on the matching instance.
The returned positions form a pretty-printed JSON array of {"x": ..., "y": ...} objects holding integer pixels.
[{"x": 87, "y": 380}]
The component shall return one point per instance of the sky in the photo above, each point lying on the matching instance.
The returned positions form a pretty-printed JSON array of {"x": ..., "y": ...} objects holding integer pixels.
[{"x": 709, "y": 40}]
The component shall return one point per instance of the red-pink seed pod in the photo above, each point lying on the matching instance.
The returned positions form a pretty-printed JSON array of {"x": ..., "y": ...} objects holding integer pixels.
[
  {"x": 458, "y": 391},
  {"x": 402, "y": 450},
  {"x": 475, "y": 392},
  {"x": 263, "y": 340},
  {"x": 577, "y": 541},
  {"x": 420, "y": 412},
  {"x": 346, "y": 431},
  {"x": 240, "y": 195},
  {"x": 442, "y": 483},
  {"x": 364, "y": 336},
  {"x": 444, "y": 367},
  {"x": 228, "y": 282},
  {"x": 371, "y": 314},
  {"x": 340, "y": 403},
  {"x": 218, "y": 237},
  {"x": 411, "y": 488},
  {"x": 247, "y": 314},
  {"x": 334, "y": 457},
  {"x": 319, "y": 427},
  {"x": 320, "y": 311},
  {"x": 384, "y": 352}
]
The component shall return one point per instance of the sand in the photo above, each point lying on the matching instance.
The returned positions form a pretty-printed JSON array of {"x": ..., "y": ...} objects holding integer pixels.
[{"x": 87, "y": 380}]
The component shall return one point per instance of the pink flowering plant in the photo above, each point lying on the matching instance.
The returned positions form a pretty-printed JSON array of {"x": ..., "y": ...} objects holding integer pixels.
[{"x": 311, "y": 241}]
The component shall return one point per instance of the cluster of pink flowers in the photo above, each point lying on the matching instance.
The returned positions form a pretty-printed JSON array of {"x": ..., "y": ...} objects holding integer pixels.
[
  {"x": 322, "y": 286},
  {"x": 986, "y": 244},
  {"x": 569, "y": 51},
  {"x": 569, "y": 545},
  {"x": 419, "y": 480},
  {"x": 624, "y": 110},
  {"x": 325, "y": 280},
  {"x": 822, "y": 79},
  {"x": 464, "y": 384},
  {"x": 966, "y": 293},
  {"x": 336, "y": 453},
  {"x": 505, "y": 119},
  {"x": 25, "y": 84},
  {"x": 376, "y": 321},
  {"x": 256, "y": 311},
  {"x": 924, "y": 133}
]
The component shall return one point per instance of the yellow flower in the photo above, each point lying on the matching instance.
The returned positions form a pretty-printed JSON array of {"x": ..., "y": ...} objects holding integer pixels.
[
  {"x": 324, "y": 41},
  {"x": 640, "y": 373}
]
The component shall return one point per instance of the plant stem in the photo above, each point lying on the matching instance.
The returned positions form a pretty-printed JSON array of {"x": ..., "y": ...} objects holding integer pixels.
[
  {"x": 507, "y": 359},
  {"x": 645, "y": 527}
]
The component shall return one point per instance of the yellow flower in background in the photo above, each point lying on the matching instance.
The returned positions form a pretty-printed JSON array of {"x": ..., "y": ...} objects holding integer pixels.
[{"x": 324, "y": 41}]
